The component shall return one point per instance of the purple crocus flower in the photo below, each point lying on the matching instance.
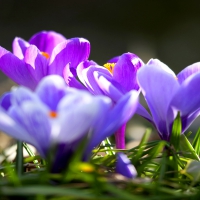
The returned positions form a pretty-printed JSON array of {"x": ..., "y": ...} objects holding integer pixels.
[
  {"x": 114, "y": 80},
  {"x": 56, "y": 115},
  {"x": 124, "y": 166},
  {"x": 46, "y": 53},
  {"x": 166, "y": 94}
]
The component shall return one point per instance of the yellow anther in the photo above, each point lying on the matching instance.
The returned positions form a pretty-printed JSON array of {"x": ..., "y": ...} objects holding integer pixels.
[
  {"x": 110, "y": 67},
  {"x": 46, "y": 55},
  {"x": 53, "y": 114}
]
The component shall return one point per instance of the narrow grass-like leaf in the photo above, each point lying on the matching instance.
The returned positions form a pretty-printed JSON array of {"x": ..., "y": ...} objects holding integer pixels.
[
  {"x": 187, "y": 149},
  {"x": 196, "y": 142},
  {"x": 141, "y": 146},
  {"x": 176, "y": 131}
]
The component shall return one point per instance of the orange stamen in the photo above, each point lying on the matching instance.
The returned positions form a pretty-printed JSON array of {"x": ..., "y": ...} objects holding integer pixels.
[
  {"x": 53, "y": 114},
  {"x": 46, "y": 55}
]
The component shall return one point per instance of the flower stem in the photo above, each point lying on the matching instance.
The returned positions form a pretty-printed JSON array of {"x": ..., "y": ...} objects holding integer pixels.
[{"x": 120, "y": 137}]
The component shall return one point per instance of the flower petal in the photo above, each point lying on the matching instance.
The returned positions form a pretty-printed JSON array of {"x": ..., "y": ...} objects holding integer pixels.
[
  {"x": 188, "y": 71},
  {"x": 70, "y": 79},
  {"x": 51, "y": 90},
  {"x": 125, "y": 71},
  {"x": 46, "y": 40},
  {"x": 84, "y": 113},
  {"x": 118, "y": 116},
  {"x": 124, "y": 166},
  {"x": 12, "y": 128},
  {"x": 72, "y": 51},
  {"x": 19, "y": 47},
  {"x": 187, "y": 99},
  {"x": 16, "y": 69},
  {"x": 158, "y": 87},
  {"x": 5, "y": 101},
  {"x": 33, "y": 117},
  {"x": 37, "y": 62},
  {"x": 86, "y": 76}
]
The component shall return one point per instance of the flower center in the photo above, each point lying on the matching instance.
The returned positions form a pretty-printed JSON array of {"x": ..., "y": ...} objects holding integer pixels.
[
  {"x": 110, "y": 67},
  {"x": 46, "y": 55},
  {"x": 53, "y": 114}
]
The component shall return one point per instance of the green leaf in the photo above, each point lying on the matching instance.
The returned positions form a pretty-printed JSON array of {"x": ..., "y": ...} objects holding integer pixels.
[
  {"x": 196, "y": 142},
  {"x": 176, "y": 132},
  {"x": 187, "y": 149},
  {"x": 141, "y": 146}
]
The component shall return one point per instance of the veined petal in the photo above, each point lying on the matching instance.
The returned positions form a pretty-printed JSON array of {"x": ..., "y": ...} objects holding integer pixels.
[
  {"x": 80, "y": 68},
  {"x": 118, "y": 116},
  {"x": 51, "y": 90},
  {"x": 72, "y": 51},
  {"x": 70, "y": 79},
  {"x": 16, "y": 69},
  {"x": 34, "y": 118},
  {"x": 21, "y": 94},
  {"x": 36, "y": 61},
  {"x": 159, "y": 64},
  {"x": 188, "y": 71},
  {"x": 86, "y": 76},
  {"x": 19, "y": 47},
  {"x": 46, "y": 40},
  {"x": 125, "y": 71},
  {"x": 85, "y": 114},
  {"x": 187, "y": 99},
  {"x": 158, "y": 87},
  {"x": 9, "y": 126},
  {"x": 124, "y": 166},
  {"x": 109, "y": 87}
]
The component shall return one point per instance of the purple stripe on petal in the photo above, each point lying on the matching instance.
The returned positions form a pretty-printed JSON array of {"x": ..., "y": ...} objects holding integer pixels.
[
  {"x": 46, "y": 40},
  {"x": 72, "y": 51}
]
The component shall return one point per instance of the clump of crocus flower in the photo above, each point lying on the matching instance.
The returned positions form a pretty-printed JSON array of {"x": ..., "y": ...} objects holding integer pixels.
[
  {"x": 46, "y": 53},
  {"x": 114, "y": 79},
  {"x": 167, "y": 94},
  {"x": 56, "y": 115}
]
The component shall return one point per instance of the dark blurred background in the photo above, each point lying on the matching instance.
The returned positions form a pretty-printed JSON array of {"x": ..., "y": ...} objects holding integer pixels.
[{"x": 164, "y": 29}]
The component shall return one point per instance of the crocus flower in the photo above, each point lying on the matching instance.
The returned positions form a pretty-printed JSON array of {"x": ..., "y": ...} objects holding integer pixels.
[
  {"x": 167, "y": 93},
  {"x": 124, "y": 166},
  {"x": 46, "y": 53},
  {"x": 56, "y": 115},
  {"x": 114, "y": 79}
]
